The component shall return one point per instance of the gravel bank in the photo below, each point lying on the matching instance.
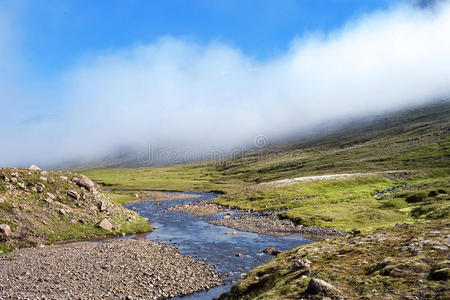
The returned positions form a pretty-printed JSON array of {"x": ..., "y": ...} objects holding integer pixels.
[
  {"x": 127, "y": 269},
  {"x": 270, "y": 224}
]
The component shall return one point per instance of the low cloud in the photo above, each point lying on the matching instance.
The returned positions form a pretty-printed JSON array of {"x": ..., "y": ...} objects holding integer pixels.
[{"x": 178, "y": 93}]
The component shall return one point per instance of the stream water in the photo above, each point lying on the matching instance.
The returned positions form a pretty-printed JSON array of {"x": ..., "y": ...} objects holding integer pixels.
[{"x": 199, "y": 239}]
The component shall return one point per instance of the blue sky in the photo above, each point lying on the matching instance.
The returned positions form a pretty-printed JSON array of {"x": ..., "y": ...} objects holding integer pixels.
[
  {"x": 56, "y": 33},
  {"x": 80, "y": 79}
]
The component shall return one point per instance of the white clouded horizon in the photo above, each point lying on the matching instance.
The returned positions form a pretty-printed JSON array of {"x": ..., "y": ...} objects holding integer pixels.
[{"x": 178, "y": 93}]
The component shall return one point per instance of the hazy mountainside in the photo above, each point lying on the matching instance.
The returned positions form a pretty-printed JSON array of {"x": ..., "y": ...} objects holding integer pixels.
[
  {"x": 400, "y": 131},
  {"x": 414, "y": 139},
  {"x": 39, "y": 207},
  {"x": 417, "y": 138}
]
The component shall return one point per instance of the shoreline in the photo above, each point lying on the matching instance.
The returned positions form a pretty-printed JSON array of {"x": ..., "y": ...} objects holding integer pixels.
[{"x": 266, "y": 223}]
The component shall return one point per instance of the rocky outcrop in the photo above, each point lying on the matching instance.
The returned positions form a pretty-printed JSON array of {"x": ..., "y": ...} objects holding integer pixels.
[
  {"x": 34, "y": 168},
  {"x": 39, "y": 204},
  {"x": 320, "y": 287},
  {"x": 271, "y": 251}
]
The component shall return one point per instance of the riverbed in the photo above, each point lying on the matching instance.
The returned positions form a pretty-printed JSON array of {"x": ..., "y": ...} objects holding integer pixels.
[{"x": 231, "y": 251}]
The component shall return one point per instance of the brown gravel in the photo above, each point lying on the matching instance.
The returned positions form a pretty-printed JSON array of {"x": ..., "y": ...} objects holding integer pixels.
[
  {"x": 116, "y": 269},
  {"x": 270, "y": 224}
]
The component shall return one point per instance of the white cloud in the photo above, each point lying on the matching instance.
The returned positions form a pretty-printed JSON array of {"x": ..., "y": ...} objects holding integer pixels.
[{"x": 177, "y": 92}]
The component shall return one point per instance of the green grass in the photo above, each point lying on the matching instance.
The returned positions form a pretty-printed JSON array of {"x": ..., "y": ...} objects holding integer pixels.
[
  {"x": 347, "y": 204},
  {"x": 121, "y": 198},
  {"x": 190, "y": 177}
]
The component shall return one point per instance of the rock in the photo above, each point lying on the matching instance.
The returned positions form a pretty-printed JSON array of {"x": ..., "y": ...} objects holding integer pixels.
[
  {"x": 102, "y": 206},
  {"x": 2, "y": 200},
  {"x": 105, "y": 224},
  {"x": 73, "y": 194},
  {"x": 302, "y": 264},
  {"x": 63, "y": 178},
  {"x": 14, "y": 174},
  {"x": 63, "y": 211},
  {"x": 227, "y": 217},
  {"x": 21, "y": 185},
  {"x": 85, "y": 182},
  {"x": 381, "y": 265},
  {"x": 51, "y": 196},
  {"x": 232, "y": 232},
  {"x": 13, "y": 179},
  {"x": 238, "y": 254},
  {"x": 34, "y": 168},
  {"x": 40, "y": 188},
  {"x": 320, "y": 287},
  {"x": 271, "y": 251},
  {"x": 117, "y": 227},
  {"x": 42, "y": 178},
  {"x": 5, "y": 229},
  {"x": 136, "y": 196}
]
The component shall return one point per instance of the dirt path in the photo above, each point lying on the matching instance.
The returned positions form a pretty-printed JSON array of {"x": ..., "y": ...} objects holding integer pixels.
[{"x": 328, "y": 177}]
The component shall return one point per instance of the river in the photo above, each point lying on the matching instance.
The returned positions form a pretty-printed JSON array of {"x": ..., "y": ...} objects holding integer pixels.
[{"x": 201, "y": 240}]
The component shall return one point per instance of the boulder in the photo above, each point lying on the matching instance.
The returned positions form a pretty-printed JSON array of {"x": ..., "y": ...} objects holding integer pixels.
[
  {"x": 73, "y": 194},
  {"x": 302, "y": 264},
  {"x": 105, "y": 224},
  {"x": 34, "y": 168},
  {"x": 85, "y": 182},
  {"x": 320, "y": 287},
  {"x": 271, "y": 251},
  {"x": 5, "y": 229}
]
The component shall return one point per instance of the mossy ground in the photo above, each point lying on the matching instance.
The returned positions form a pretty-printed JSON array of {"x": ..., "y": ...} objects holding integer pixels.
[
  {"x": 389, "y": 263},
  {"x": 348, "y": 204}
]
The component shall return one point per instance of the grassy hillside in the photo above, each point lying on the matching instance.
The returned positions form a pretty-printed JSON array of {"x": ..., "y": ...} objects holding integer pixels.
[
  {"x": 416, "y": 141},
  {"x": 403, "y": 262},
  {"x": 43, "y": 207}
]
